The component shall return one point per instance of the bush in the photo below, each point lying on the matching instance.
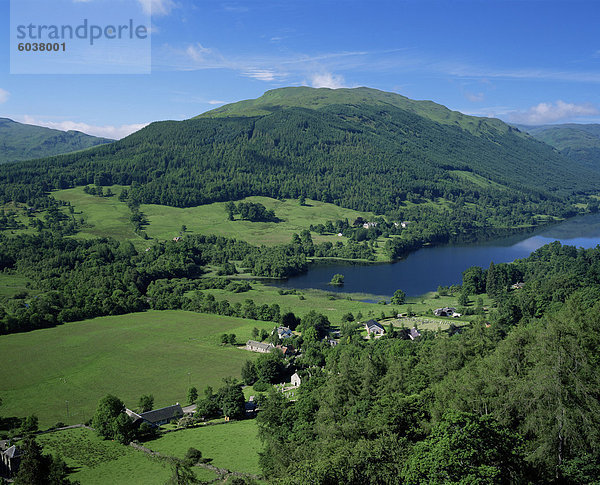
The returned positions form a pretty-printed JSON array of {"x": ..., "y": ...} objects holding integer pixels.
[{"x": 261, "y": 386}]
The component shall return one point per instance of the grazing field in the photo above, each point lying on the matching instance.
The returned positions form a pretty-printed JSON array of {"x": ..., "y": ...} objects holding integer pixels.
[
  {"x": 97, "y": 461},
  {"x": 234, "y": 445},
  {"x": 110, "y": 217},
  {"x": 12, "y": 284},
  {"x": 106, "y": 216},
  {"x": 334, "y": 305},
  {"x": 157, "y": 352}
]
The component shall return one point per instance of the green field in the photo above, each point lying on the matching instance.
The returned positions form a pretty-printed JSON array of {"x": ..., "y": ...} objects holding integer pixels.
[
  {"x": 234, "y": 445},
  {"x": 97, "y": 461},
  {"x": 334, "y": 305},
  {"x": 11, "y": 284},
  {"x": 156, "y": 352},
  {"x": 110, "y": 217}
]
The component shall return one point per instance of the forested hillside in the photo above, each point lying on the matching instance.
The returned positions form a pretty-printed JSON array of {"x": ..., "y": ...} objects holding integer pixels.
[
  {"x": 20, "y": 141},
  {"x": 577, "y": 141},
  {"x": 512, "y": 399},
  {"x": 354, "y": 150}
]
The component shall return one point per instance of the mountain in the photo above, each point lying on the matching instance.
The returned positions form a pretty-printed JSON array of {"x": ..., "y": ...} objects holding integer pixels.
[
  {"x": 358, "y": 148},
  {"x": 19, "y": 141},
  {"x": 577, "y": 141}
]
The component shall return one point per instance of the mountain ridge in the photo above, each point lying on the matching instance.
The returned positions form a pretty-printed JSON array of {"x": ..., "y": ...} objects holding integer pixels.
[{"x": 22, "y": 141}]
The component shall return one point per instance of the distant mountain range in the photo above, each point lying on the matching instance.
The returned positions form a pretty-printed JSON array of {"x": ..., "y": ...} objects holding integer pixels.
[
  {"x": 19, "y": 141},
  {"x": 577, "y": 141}
]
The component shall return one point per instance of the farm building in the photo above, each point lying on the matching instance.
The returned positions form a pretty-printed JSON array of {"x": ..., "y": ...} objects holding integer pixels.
[
  {"x": 254, "y": 346},
  {"x": 373, "y": 327},
  {"x": 157, "y": 417}
]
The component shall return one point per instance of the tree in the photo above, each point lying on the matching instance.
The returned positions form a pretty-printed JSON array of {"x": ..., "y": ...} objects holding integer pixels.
[
  {"x": 192, "y": 396},
  {"x": 399, "y": 298},
  {"x": 463, "y": 298},
  {"x": 39, "y": 469},
  {"x": 302, "y": 200},
  {"x": 254, "y": 333},
  {"x": 108, "y": 410},
  {"x": 231, "y": 339},
  {"x": 34, "y": 466},
  {"x": 465, "y": 448},
  {"x": 182, "y": 473},
  {"x": 249, "y": 373},
  {"x": 290, "y": 320},
  {"x": 224, "y": 339},
  {"x": 348, "y": 317},
  {"x": 183, "y": 228},
  {"x": 193, "y": 456},
  {"x": 146, "y": 403},
  {"x": 337, "y": 280},
  {"x": 231, "y": 210},
  {"x": 123, "y": 429},
  {"x": 30, "y": 424},
  {"x": 231, "y": 399}
]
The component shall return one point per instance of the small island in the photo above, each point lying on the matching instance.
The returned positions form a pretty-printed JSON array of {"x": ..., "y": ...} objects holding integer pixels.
[{"x": 337, "y": 280}]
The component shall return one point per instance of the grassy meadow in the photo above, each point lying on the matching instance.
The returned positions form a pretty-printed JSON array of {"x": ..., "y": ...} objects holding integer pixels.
[
  {"x": 156, "y": 352},
  {"x": 95, "y": 461},
  {"x": 334, "y": 305},
  {"x": 233, "y": 445},
  {"x": 107, "y": 216}
]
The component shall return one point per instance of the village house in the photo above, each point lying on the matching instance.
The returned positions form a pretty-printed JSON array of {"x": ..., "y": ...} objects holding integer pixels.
[
  {"x": 254, "y": 346},
  {"x": 10, "y": 459},
  {"x": 517, "y": 286},
  {"x": 445, "y": 312},
  {"x": 369, "y": 225},
  {"x": 296, "y": 380},
  {"x": 374, "y": 329},
  {"x": 284, "y": 332},
  {"x": 156, "y": 417},
  {"x": 413, "y": 333},
  {"x": 286, "y": 350}
]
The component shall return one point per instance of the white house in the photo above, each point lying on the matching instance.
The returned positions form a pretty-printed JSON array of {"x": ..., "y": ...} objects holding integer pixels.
[{"x": 296, "y": 381}]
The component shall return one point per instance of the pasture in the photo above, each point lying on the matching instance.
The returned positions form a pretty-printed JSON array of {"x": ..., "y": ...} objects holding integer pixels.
[
  {"x": 233, "y": 445},
  {"x": 97, "y": 461},
  {"x": 60, "y": 373}
]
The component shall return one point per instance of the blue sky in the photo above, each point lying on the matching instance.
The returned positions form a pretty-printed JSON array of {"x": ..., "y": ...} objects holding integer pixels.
[{"x": 530, "y": 62}]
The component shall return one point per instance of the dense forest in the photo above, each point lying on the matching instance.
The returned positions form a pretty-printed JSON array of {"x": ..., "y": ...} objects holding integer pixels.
[
  {"x": 72, "y": 279},
  {"x": 512, "y": 399}
]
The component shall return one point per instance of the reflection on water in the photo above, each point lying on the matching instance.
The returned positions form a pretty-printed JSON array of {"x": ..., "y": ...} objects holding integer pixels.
[{"x": 426, "y": 269}]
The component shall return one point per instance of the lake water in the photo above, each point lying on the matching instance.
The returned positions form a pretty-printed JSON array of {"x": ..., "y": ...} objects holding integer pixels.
[{"x": 426, "y": 269}]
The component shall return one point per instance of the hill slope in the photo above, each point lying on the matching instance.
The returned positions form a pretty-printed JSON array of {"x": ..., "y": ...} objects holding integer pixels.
[
  {"x": 579, "y": 142},
  {"x": 19, "y": 141},
  {"x": 359, "y": 148}
]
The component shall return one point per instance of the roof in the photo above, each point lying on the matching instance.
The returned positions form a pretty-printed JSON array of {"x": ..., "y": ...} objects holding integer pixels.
[
  {"x": 414, "y": 333},
  {"x": 260, "y": 345},
  {"x": 162, "y": 414},
  {"x": 373, "y": 326},
  {"x": 13, "y": 452}
]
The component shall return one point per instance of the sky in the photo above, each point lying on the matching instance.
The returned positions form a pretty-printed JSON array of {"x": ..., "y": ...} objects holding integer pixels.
[{"x": 529, "y": 62}]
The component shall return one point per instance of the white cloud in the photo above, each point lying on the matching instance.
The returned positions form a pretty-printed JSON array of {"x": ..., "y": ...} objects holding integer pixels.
[
  {"x": 3, "y": 95},
  {"x": 327, "y": 80},
  {"x": 216, "y": 101},
  {"x": 157, "y": 7},
  {"x": 475, "y": 97},
  {"x": 262, "y": 74},
  {"x": 198, "y": 52},
  {"x": 107, "y": 131},
  {"x": 552, "y": 112}
]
